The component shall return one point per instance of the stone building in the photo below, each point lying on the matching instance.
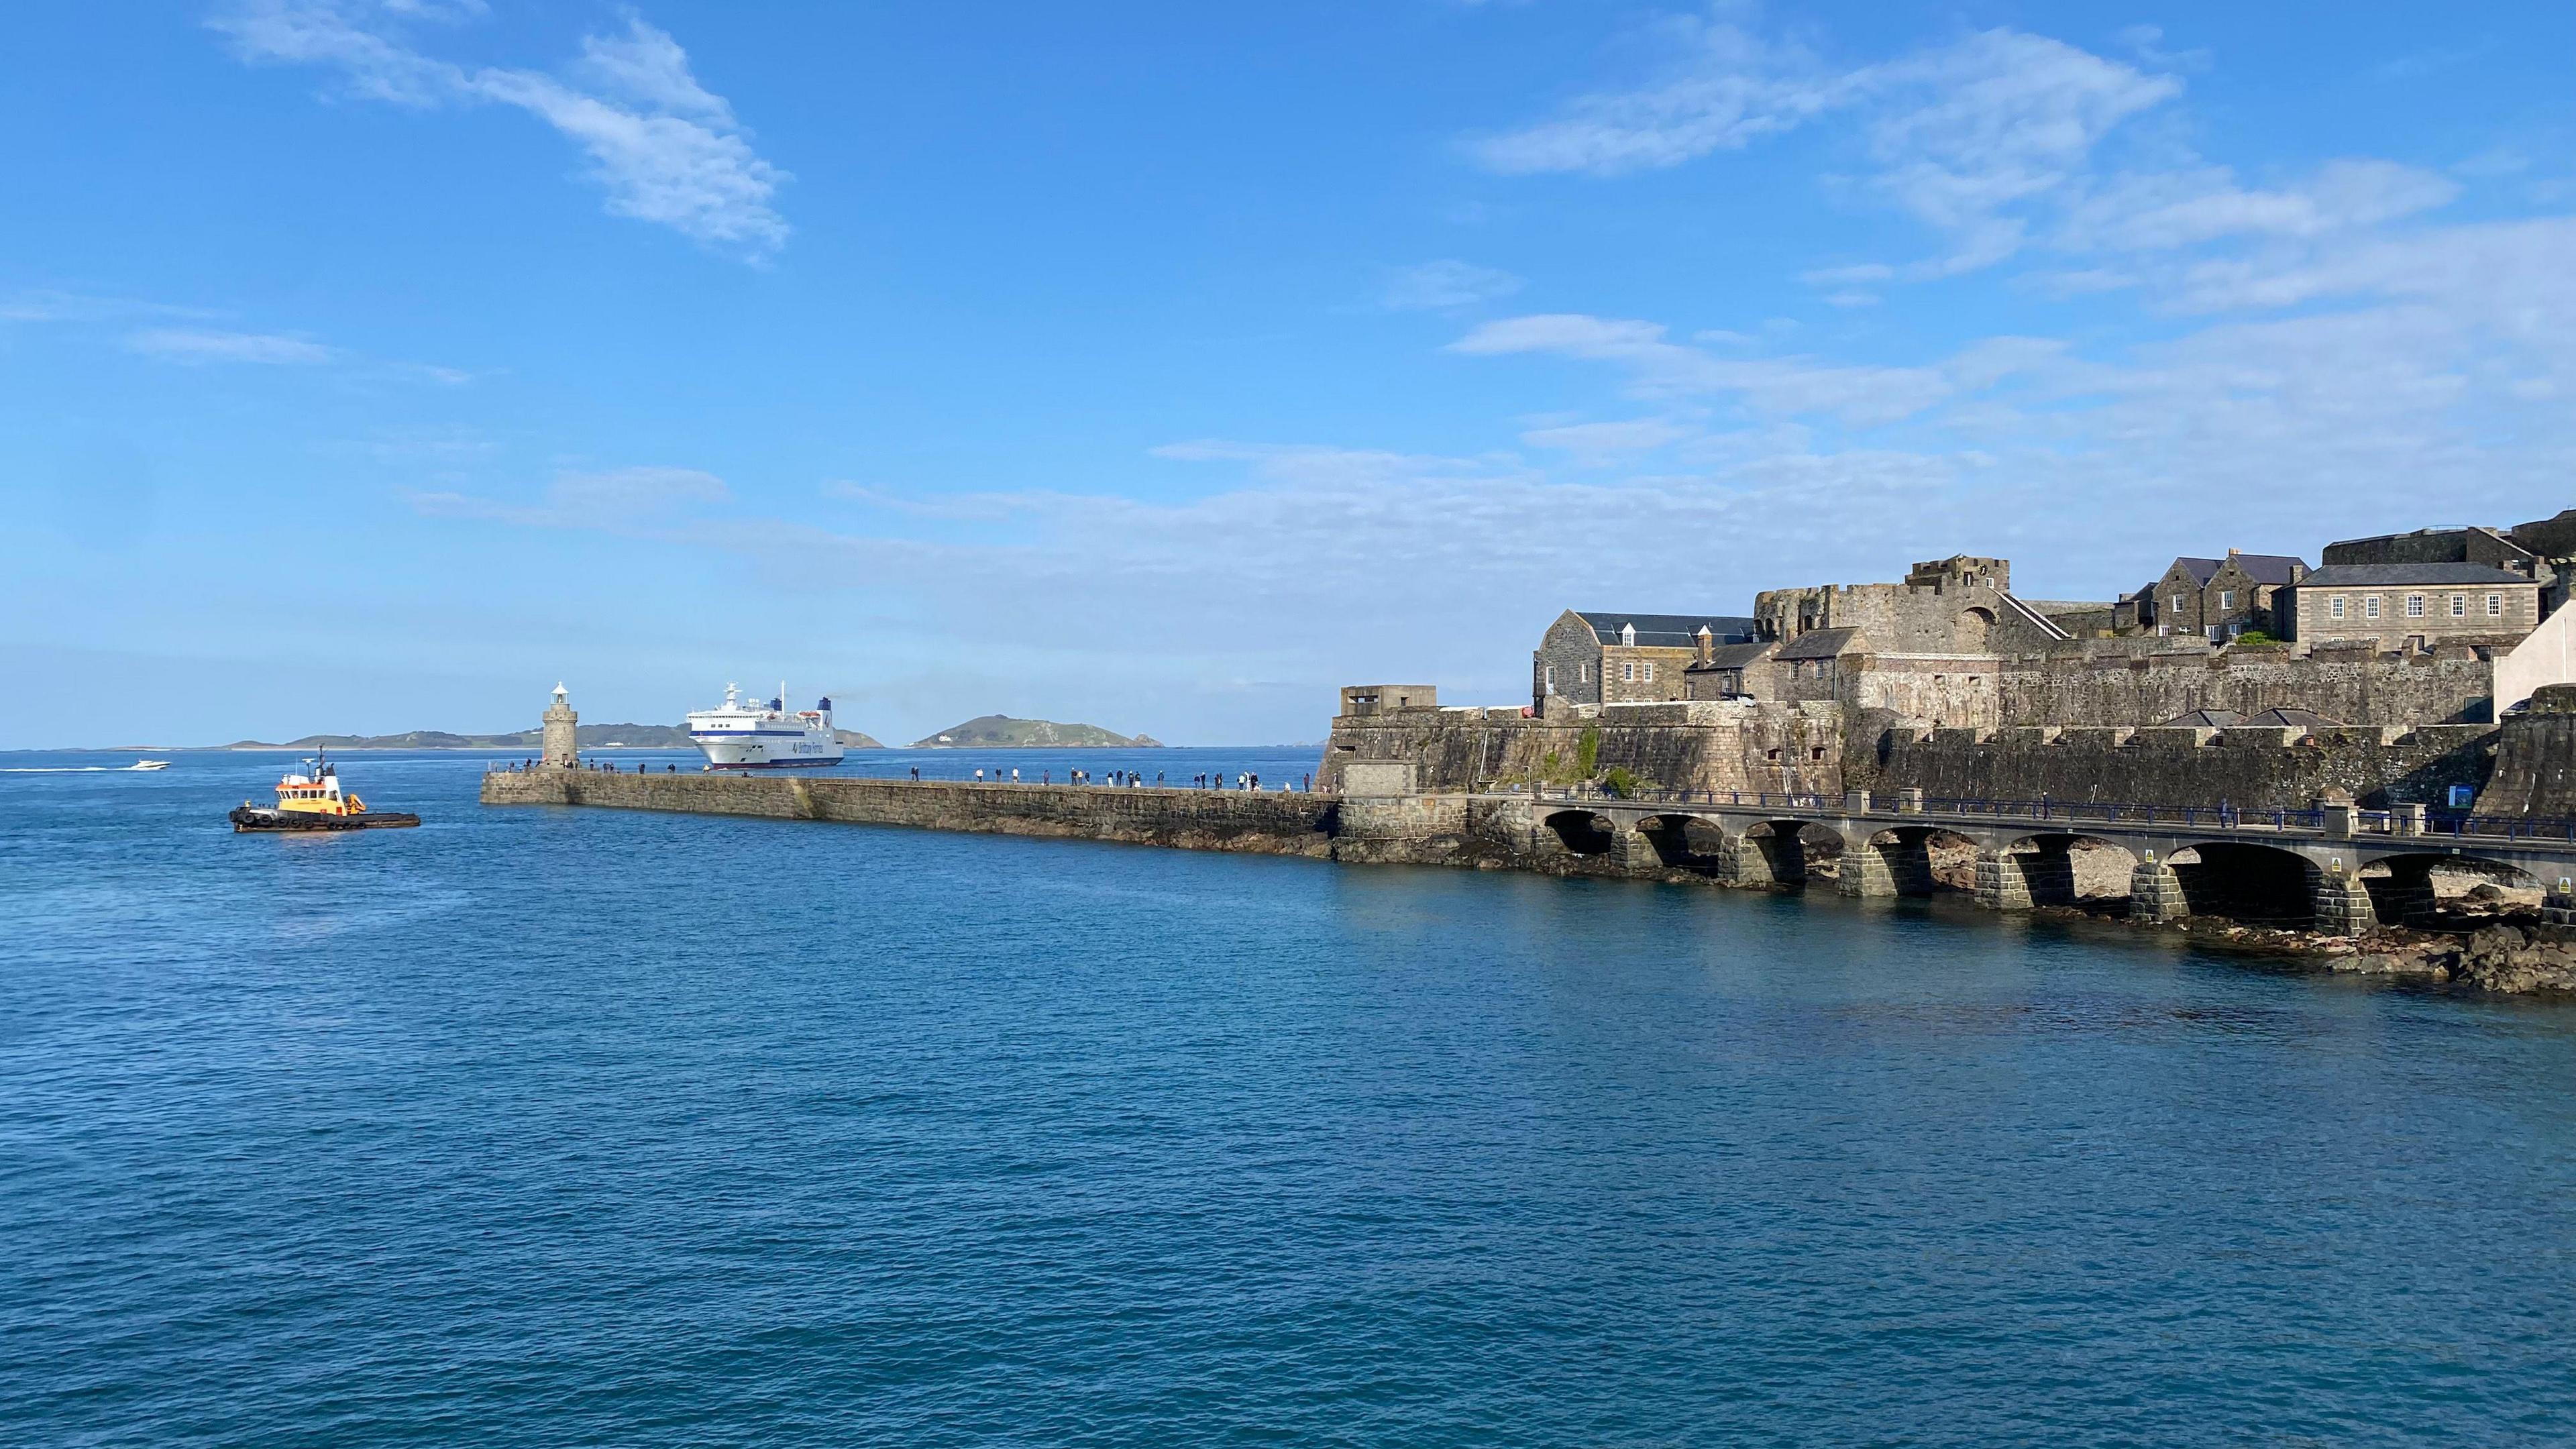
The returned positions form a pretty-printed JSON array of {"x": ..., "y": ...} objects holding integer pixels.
[
  {"x": 1963, "y": 602},
  {"x": 2217, "y": 598},
  {"x": 1593, "y": 656},
  {"x": 2543, "y": 550},
  {"x": 2412, "y": 606}
]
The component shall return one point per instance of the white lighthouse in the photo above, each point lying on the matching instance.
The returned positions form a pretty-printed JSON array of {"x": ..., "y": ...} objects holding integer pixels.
[{"x": 562, "y": 747}]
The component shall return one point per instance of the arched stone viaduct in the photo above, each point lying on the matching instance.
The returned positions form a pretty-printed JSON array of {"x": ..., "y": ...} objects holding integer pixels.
[{"x": 2325, "y": 870}]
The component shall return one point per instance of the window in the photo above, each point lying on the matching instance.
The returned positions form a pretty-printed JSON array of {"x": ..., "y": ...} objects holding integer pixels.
[
  {"x": 1550, "y": 679},
  {"x": 1628, "y": 670},
  {"x": 2414, "y": 606},
  {"x": 2370, "y": 607},
  {"x": 1650, "y": 671},
  {"x": 2227, "y": 598},
  {"x": 2459, "y": 606},
  {"x": 2334, "y": 607},
  {"x": 2495, "y": 606},
  {"x": 1583, "y": 673},
  {"x": 2177, "y": 606}
]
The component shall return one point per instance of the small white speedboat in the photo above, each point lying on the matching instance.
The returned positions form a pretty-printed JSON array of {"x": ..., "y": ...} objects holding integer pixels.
[{"x": 149, "y": 765}]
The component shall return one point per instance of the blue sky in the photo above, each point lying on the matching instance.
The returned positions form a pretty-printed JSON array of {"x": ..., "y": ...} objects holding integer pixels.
[{"x": 371, "y": 364}]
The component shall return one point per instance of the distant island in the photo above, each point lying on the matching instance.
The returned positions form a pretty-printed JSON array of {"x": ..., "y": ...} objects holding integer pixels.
[
  {"x": 590, "y": 737},
  {"x": 1000, "y": 731}
]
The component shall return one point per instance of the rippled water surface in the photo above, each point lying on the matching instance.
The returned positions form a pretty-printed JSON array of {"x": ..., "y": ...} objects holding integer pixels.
[{"x": 542, "y": 1126}]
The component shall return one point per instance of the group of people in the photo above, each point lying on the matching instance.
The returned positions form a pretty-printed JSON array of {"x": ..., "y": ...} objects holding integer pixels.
[
  {"x": 608, "y": 767},
  {"x": 1122, "y": 779},
  {"x": 1133, "y": 779}
]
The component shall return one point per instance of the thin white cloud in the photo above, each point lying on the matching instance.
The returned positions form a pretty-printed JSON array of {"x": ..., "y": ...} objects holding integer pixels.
[
  {"x": 1965, "y": 137},
  {"x": 1729, "y": 88},
  {"x": 2164, "y": 211},
  {"x": 175, "y": 344},
  {"x": 662, "y": 148},
  {"x": 1859, "y": 395},
  {"x": 1435, "y": 286},
  {"x": 613, "y": 497},
  {"x": 1599, "y": 444}
]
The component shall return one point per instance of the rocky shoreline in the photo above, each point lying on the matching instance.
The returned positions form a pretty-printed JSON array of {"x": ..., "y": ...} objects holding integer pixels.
[{"x": 2507, "y": 957}]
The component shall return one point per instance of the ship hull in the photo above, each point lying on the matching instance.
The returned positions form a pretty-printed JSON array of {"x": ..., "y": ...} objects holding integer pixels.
[
  {"x": 250, "y": 819},
  {"x": 760, "y": 752}
]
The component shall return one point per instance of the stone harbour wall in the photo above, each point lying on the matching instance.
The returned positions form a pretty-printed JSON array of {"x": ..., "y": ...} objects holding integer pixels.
[
  {"x": 2157, "y": 680},
  {"x": 2248, "y": 768},
  {"x": 1262, "y": 823},
  {"x": 2535, "y": 767},
  {"x": 1695, "y": 745}
]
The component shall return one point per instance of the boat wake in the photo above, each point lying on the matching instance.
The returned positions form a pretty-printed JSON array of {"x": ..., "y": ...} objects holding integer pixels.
[{"x": 84, "y": 769}]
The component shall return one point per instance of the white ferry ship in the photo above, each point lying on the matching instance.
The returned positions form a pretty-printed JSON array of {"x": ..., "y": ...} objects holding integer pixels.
[{"x": 764, "y": 736}]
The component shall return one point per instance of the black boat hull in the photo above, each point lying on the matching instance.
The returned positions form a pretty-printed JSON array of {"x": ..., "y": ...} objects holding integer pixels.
[{"x": 250, "y": 818}]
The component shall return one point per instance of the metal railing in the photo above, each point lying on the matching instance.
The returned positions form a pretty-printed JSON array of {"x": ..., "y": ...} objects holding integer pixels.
[
  {"x": 2552, "y": 828},
  {"x": 2222, "y": 816}
]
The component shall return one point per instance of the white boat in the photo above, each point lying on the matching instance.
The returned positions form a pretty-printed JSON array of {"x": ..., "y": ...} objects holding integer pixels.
[
  {"x": 764, "y": 736},
  {"x": 149, "y": 765}
]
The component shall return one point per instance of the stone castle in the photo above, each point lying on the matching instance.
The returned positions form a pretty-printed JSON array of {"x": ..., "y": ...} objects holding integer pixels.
[{"x": 2379, "y": 671}]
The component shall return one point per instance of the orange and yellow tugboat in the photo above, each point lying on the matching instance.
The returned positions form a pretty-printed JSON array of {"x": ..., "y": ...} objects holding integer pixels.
[{"x": 311, "y": 799}]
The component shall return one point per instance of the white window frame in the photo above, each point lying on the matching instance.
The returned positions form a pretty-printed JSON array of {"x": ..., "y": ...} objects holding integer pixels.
[
  {"x": 2227, "y": 598},
  {"x": 1547, "y": 678},
  {"x": 2495, "y": 606},
  {"x": 2370, "y": 606},
  {"x": 2177, "y": 608},
  {"x": 2334, "y": 607},
  {"x": 2414, "y": 606},
  {"x": 1649, "y": 675},
  {"x": 1628, "y": 671},
  {"x": 2459, "y": 606}
]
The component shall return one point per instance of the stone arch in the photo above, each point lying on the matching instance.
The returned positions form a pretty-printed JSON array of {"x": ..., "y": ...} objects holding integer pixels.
[
  {"x": 1583, "y": 832},
  {"x": 2402, "y": 889},
  {"x": 1782, "y": 852},
  {"x": 1688, "y": 842},
  {"x": 1975, "y": 623},
  {"x": 2248, "y": 882},
  {"x": 2069, "y": 867},
  {"x": 1895, "y": 861}
]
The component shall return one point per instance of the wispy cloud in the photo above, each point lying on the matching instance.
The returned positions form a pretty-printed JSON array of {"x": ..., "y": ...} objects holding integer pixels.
[
  {"x": 613, "y": 497},
  {"x": 661, "y": 146},
  {"x": 2174, "y": 209},
  {"x": 1963, "y": 136},
  {"x": 1434, "y": 286},
  {"x": 172, "y": 344}
]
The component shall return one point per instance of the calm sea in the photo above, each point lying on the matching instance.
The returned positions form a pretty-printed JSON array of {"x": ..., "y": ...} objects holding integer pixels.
[{"x": 541, "y": 1126}]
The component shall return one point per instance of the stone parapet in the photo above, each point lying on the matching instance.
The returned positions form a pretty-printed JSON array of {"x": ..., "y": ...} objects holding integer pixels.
[{"x": 1265, "y": 823}]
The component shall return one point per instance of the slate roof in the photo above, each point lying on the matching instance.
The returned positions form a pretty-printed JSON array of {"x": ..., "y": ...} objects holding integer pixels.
[
  {"x": 2270, "y": 568},
  {"x": 1668, "y": 631},
  {"x": 2207, "y": 719},
  {"x": 2377, "y": 576},
  {"x": 1817, "y": 644},
  {"x": 2262, "y": 568},
  {"x": 1734, "y": 656}
]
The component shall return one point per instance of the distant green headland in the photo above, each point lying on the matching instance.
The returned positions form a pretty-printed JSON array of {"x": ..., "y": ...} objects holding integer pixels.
[{"x": 1000, "y": 731}]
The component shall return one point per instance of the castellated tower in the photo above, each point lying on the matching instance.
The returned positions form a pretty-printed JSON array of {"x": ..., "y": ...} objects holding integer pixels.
[{"x": 562, "y": 749}]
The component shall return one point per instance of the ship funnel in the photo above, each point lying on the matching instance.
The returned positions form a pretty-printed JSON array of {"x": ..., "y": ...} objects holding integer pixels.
[{"x": 824, "y": 704}]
